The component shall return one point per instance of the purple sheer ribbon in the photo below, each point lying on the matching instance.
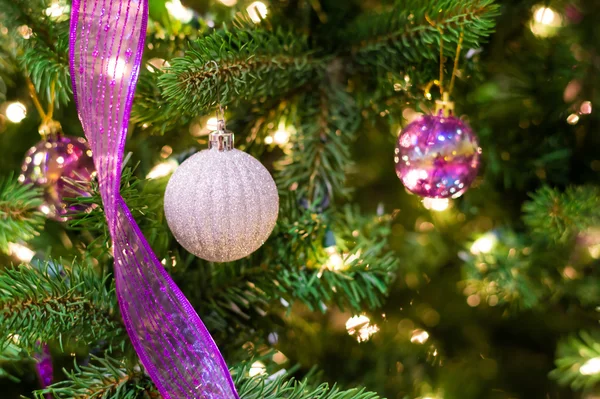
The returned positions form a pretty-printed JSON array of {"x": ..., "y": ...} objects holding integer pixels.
[
  {"x": 43, "y": 367},
  {"x": 106, "y": 46}
]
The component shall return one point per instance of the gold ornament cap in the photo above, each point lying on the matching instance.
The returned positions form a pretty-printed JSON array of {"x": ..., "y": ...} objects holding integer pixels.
[{"x": 445, "y": 106}]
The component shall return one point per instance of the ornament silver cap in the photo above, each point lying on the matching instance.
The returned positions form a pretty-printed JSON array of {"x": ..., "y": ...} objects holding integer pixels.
[{"x": 221, "y": 139}]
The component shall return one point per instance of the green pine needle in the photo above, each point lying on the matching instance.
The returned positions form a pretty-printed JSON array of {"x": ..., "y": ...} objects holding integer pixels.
[
  {"x": 20, "y": 217},
  {"x": 58, "y": 303}
]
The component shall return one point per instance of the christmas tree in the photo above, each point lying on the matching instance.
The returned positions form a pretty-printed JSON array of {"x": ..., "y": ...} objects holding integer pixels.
[{"x": 363, "y": 290}]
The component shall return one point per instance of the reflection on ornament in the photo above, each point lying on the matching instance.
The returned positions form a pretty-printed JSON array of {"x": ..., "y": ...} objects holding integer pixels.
[
  {"x": 20, "y": 252},
  {"x": 16, "y": 112},
  {"x": 62, "y": 167},
  {"x": 436, "y": 204},
  {"x": 419, "y": 336},
  {"x": 257, "y": 368},
  {"x": 484, "y": 244},
  {"x": 179, "y": 11},
  {"x": 590, "y": 367},
  {"x": 361, "y": 327},
  {"x": 162, "y": 169},
  {"x": 437, "y": 156},
  {"x": 257, "y": 11},
  {"x": 545, "y": 21}
]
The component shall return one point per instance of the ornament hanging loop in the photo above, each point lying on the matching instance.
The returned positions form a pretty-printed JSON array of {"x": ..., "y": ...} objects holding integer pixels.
[
  {"x": 49, "y": 127},
  {"x": 444, "y": 106},
  {"x": 221, "y": 139}
]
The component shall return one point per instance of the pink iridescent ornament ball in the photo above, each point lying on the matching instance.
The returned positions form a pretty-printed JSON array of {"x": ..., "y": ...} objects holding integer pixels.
[
  {"x": 437, "y": 156},
  {"x": 50, "y": 161}
]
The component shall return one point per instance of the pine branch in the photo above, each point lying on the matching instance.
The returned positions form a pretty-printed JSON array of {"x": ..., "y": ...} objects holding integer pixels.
[
  {"x": 238, "y": 298},
  {"x": 315, "y": 168},
  {"x": 557, "y": 216},
  {"x": 577, "y": 360},
  {"x": 57, "y": 303},
  {"x": 142, "y": 198},
  {"x": 108, "y": 378},
  {"x": 20, "y": 217},
  {"x": 251, "y": 64},
  {"x": 403, "y": 34},
  {"x": 507, "y": 271},
  {"x": 105, "y": 378},
  {"x": 45, "y": 52}
]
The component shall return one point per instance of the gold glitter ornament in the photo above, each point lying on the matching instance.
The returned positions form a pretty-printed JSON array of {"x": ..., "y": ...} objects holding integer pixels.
[{"x": 221, "y": 204}]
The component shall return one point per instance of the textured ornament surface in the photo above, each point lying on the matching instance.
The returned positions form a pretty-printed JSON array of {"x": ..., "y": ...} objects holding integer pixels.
[
  {"x": 221, "y": 205},
  {"x": 437, "y": 156},
  {"x": 50, "y": 161}
]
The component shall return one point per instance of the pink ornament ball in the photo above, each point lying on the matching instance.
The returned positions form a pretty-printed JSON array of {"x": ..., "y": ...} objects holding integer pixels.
[
  {"x": 49, "y": 162},
  {"x": 437, "y": 156}
]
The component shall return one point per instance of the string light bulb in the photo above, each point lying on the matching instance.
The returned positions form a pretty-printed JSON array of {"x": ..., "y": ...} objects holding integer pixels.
[
  {"x": 545, "y": 21},
  {"x": 590, "y": 367},
  {"x": 484, "y": 244},
  {"x": 257, "y": 11},
  {"x": 361, "y": 327},
  {"x": 179, "y": 11},
  {"x": 228, "y": 3},
  {"x": 162, "y": 169},
  {"x": 419, "y": 336},
  {"x": 21, "y": 252},
  {"x": 436, "y": 204},
  {"x": 57, "y": 10},
  {"x": 257, "y": 368},
  {"x": 16, "y": 112}
]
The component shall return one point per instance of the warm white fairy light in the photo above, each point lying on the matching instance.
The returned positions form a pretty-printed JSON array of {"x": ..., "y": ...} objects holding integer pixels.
[
  {"x": 590, "y": 367},
  {"x": 157, "y": 63},
  {"x": 257, "y": 369},
  {"x": 162, "y": 169},
  {"x": 16, "y": 112},
  {"x": 545, "y": 21},
  {"x": 56, "y": 9},
  {"x": 419, "y": 336},
  {"x": 179, "y": 11},
  {"x": 544, "y": 15},
  {"x": 361, "y": 327},
  {"x": 335, "y": 260},
  {"x": 484, "y": 244},
  {"x": 229, "y": 3},
  {"x": 20, "y": 252},
  {"x": 436, "y": 204},
  {"x": 281, "y": 136},
  {"x": 212, "y": 123},
  {"x": 116, "y": 68},
  {"x": 257, "y": 11}
]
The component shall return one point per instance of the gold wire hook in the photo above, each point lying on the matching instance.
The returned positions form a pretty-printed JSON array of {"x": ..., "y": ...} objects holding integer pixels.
[
  {"x": 48, "y": 126},
  {"x": 220, "y": 111},
  {"x": 445, "y": 105}
]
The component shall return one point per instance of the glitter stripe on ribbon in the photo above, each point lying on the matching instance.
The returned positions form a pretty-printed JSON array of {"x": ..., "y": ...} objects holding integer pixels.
[{"x": 106, "y": 46}]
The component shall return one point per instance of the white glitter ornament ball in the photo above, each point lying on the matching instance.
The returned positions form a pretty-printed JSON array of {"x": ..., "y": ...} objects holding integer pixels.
[{"x": 221, "y": 204}]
